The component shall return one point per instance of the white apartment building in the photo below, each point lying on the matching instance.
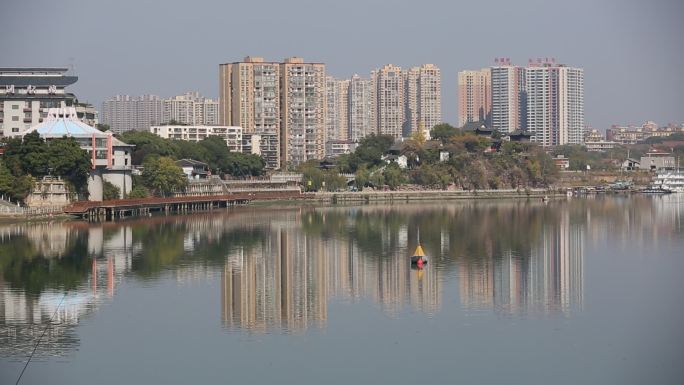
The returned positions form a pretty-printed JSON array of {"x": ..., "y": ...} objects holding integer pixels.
[
  {"x": 507, "y": 96},
  {"x": 302, "y": 111},
  {"x": 191, "y": 108},
  {"x": 361, "y": 116},
  {"x": 337, "y": 110},
  {"x": 232, "y": 135},
  {"x": 429, "y": 98},
  {"x": 127, "y": 113},
  {"x": 388, "y": 85},
  {"x": 555, "y": 103}
]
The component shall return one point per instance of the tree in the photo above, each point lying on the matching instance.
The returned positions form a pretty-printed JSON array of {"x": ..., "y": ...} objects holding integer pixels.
[
  {"x": 163, "y": 176},
  {"x": 362, "y": 177},
  {"x": 146, "y": 144},
  {"x": 393, "y": 176},
  {"x": 7, "y": 180},
  {"x": 110, "y": 191},
  {"x": 312, "y": 178},
  {"x": 139, "y": 191},
  {"x": 443, "y": 132},
  {"x": 67, "y": 160},
  {"x": 102, "y": 127}
]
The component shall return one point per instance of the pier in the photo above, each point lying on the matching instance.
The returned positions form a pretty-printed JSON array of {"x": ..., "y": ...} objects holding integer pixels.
[{"x": 121, "y": 208}]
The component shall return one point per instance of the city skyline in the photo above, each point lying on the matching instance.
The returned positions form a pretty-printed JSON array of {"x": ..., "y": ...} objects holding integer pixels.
[{"x": 615, "y": 92}]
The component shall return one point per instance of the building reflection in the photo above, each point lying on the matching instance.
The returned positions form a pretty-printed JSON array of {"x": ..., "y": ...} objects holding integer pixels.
[
  {"x": 286, "y": 282},
  {"x": 546, "y": 278}
]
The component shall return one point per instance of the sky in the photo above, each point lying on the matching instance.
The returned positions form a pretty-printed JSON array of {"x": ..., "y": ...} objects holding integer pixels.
[{"x": 632, "y": 51}]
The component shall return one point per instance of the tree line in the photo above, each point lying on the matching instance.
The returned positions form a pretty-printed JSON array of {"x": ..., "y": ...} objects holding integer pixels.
[{"x": 28, "y": 159}]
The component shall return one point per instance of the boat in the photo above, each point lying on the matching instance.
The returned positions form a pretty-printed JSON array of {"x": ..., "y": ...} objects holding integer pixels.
[
  {"x": 419, "y": 257},
  {"x": 655, "y": 190},
  {"x": 668, "y": 181}
]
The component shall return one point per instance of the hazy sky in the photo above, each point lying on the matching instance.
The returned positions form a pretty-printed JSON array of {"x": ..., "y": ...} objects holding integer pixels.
[{"x": 632, "y": 51}]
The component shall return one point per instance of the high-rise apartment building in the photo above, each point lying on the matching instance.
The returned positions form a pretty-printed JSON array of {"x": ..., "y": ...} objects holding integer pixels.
[
  {"x": 337, "y": 105},
  {"x": 507, "y": 96},
  {"x": 429, "y": 97},
  {"x": 191, "y": 109},
  {"x": 388, "y": 85},
  {"x": 302, "y": 111},
  {"x": 555, "y": 103},
  {"x": 361, "y": 116},
  {"x": 474, "y": 88},
  {"x": 126, "y": 113},
  {"x": 250, "y": 98}
]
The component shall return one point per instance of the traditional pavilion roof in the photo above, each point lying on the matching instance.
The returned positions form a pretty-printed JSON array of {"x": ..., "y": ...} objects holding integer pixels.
[{"x": 64, "y": 122}]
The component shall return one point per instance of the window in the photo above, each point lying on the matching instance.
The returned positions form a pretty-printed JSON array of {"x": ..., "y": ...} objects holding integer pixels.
[
  {"x": 15, "y": 106},
  {"x": 15, "y": 129},
  {"x": 15, "y": 118}
]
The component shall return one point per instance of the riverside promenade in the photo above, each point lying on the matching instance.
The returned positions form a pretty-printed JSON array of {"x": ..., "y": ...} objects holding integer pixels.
[{"x": 368, "y": 196}]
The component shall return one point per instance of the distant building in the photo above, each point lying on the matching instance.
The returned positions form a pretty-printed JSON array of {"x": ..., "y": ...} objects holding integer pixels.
[
  {"x": 656, "y": 160},
  {"x": 594, "y": 141},
  {"x": 507, "y": 97},
  {"x": 635, "y": 134},
  {"x": 554, "y": 95},
  {"x": 337, "y": 110},
  {"x": 474, "y": 88},
  {"x": 230, "y": 134},
  {"x": 361, "y": 108},
  {"x": 192, "y": 109},
  {"x": 26, "y": 95},
  {"x": 128, "y": 113},
  {"x": 388, "y": 89},
  {"x": 561, "y": 162},
  {"x": 110, "y": 157},
  {"x": 423, "y": 99},
  {"x": 302, "y": 111}
]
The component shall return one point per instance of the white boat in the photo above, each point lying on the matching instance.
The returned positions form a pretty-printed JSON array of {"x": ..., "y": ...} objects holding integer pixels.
[{"x": 670, "y": 181}]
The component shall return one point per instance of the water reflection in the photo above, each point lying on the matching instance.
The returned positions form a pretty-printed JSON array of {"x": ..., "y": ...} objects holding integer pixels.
[{"x": 280, "y": 268}]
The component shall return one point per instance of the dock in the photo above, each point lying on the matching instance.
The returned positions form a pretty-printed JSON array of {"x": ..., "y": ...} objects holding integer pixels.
[{"x": 121, "y": 208}]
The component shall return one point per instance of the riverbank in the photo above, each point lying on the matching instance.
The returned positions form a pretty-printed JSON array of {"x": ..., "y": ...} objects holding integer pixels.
[{"x": 427, "y": 195}]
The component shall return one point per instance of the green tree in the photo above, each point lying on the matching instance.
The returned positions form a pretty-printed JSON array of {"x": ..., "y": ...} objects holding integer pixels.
[
  {"x": 361, "y": 177},
  {"x": 68, "y": 160},
  {"x": 312, "y": 178},
  {"x": 110, "y": 191},
  {"x": 146, "y": 144},
  {"x": 443, "y": 132},
  {"x": 162, "y": 176},
  {"x": 139, "y": 191},
  {"x": 393, "y": 176},
  {"x": 7, "y": 180}
]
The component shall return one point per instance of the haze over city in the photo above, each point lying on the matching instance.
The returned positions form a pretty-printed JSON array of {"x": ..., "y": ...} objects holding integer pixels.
[{"x": 631, "y": 51}]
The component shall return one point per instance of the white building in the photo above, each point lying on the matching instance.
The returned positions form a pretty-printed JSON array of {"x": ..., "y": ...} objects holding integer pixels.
[
  {"x": 26, "y": 95},
  {"x": 361, "y": 116},
  {"x": 507, "y": 96},
  {"x": 230, "y": 134},
  {"x": 192, "y": 109},
  {"x": 555, "y": 103},
  {"x": 266, "y": 145},
  {"x": 127, "y": 113}
]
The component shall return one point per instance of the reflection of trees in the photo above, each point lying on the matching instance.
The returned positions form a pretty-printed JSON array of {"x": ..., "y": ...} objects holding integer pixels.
[{"x": 25, "y": 267}]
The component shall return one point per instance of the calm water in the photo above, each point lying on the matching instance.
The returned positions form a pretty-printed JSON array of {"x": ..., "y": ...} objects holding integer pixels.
[{"x": 585, "y": 291}]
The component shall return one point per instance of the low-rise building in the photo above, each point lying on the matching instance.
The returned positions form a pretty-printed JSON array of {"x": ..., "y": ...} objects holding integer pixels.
[
  {"x": 656, "y": 160},
  {"x": 335, "y": 148},
  {"x": 232, "y": 135},
  {"x": 561, "y": 162},
  {"x": 110, "y": 157}
]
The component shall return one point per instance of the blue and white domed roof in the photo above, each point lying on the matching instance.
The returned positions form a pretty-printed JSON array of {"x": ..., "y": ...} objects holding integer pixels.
[{"x": 64, "y": 122}]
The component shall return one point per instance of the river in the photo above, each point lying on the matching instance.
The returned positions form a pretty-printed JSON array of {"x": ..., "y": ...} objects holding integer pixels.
[{"x": 576, "y": 291}]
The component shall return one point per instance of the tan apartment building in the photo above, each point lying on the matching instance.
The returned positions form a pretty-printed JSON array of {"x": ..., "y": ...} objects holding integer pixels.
[
  {"x": 429, "y": 98},
  {"x": 361, "y": 108},
  {"x": 302, "y": 111},
  {"x": 250, "y": 97},
  {"x": 474, "y": 88}
]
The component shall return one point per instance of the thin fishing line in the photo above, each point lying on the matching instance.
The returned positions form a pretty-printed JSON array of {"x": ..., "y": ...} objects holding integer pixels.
[{"x": 39, "y": 339}]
